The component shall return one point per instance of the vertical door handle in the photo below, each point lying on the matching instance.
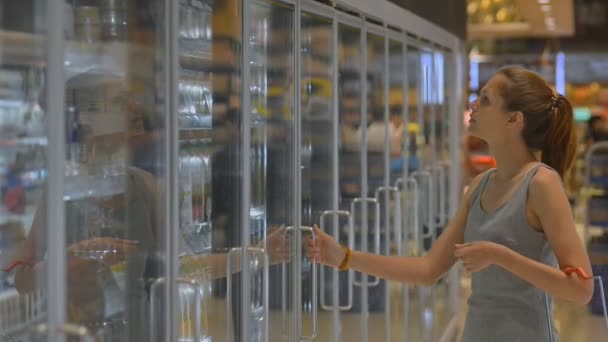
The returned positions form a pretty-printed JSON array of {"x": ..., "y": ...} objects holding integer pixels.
[
  {"x": 314, "y": 290},
  {"x": 442, "y": 216},
  {"x": 413, "y": 183},
  {"x": 258, "y": 253},
  {"x": 387, "y": 238},
  {"x": 334, "y": 213},
  {"x": 376, "y": 230},
  {"x": 429, "y": 203},
  {"x": 396, "y": 225}
]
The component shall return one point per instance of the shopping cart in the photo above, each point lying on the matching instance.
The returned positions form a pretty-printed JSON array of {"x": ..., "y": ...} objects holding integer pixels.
[{"x": 583, "y": 275}]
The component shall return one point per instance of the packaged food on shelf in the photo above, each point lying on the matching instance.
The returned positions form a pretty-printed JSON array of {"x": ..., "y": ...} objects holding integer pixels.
[
  {"x": 87, "y": 23},
  {"x": 114, "y": 19}
]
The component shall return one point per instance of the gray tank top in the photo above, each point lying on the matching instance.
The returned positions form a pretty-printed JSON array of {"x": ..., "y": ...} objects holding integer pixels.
[{"x": 503, "y": 307}]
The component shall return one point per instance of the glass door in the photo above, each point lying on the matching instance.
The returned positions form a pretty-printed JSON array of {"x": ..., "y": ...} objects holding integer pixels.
[
  {"x": 273, "y": 166},
  {"x": 210, "y": 119},
  {"x": 350, "y": 130},
  {"x": 420, "y": 319},
  {"x": 318, "y": 159},
  {"x": 116, "y": 185},
  {"x": 379, "y": 214},
  {"x": 439, "y": 170},
  {"x": 400, "y": 211},
  {"x": 23, "y": 170}
]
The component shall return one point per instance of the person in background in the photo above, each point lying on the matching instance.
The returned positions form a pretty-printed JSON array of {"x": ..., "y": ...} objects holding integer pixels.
[{"x": 597, "y": 129}]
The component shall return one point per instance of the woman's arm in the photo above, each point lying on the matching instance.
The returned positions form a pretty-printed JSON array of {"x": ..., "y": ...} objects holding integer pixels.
[
  {"x": 550, "y": 205},
  {"x": 216, "y": 265},
  {"x": 424, "y": 270},
  {"x": 31, "y": 249}
]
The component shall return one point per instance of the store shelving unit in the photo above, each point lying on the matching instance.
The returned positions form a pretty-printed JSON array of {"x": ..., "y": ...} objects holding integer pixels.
[{"x": 596, "y": 221}]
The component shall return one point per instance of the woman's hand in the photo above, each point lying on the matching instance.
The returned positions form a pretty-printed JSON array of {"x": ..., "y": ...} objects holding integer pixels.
[
  {"x": 478, "y": 255},
  {"x": 278, "y": 245},
  {"x": 324, "y": 249}
]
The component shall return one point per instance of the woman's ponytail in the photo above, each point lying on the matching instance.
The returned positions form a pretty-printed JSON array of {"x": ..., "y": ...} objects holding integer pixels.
[{"x": 559, "y": 146}]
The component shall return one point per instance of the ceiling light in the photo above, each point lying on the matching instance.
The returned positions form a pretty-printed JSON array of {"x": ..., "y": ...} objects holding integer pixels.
[
  {"x": 544, "y": 2},
  {"x": 550, "y": 22},
  {"x": 546, "y": 8}
]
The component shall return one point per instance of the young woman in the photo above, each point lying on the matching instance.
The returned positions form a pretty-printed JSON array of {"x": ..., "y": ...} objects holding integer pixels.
[{"x": 514, "y": 225}]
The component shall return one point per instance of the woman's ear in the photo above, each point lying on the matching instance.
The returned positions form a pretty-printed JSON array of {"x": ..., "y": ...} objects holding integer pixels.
[{"x": 515, "y": 118}]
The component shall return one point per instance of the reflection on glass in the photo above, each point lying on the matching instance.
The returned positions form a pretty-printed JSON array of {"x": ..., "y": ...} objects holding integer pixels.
[
  {"x": 112, "y": 201},
  {"x": 349, "y": 115},
  {"x": 376, "y": 124},
  {"x": 317, "y": 147},
  {"x": 114, "y": 225},
  {"x": 271, "y": 85},
  {"x": 210, "y": 118},
  {"x": 427, "y": 102},
  {"x": 349, "y": 143},
  {"x": 440, "y": 104},
  {"x": 23, "y": 171},
  {"x": 397, "y": 126},
  {"x": 377, "y": 154},
  {"x": 415, "y": 118}
]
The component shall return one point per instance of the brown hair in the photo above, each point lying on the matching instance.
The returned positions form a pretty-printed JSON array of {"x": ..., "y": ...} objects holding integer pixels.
[{"x": 548, "y": 118}]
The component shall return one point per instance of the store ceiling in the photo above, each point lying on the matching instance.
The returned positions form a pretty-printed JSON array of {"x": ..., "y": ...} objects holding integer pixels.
[{"x": 519, "y": 18}]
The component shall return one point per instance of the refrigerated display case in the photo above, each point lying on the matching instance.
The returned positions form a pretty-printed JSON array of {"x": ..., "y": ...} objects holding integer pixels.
[{"x": 162, "y": 163}]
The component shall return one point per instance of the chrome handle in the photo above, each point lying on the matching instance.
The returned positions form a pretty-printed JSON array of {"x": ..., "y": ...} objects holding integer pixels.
[
  {"x": 396, "y": 225},
  {"x": 376, "y": 231},
  {"x": 153, "y": 324},
  {"x": 185, "y": 306},
  {"x": 447, "y": 166},
  {"x": 429, "y": 209},
  {"x": 314, "y": 291},
  {"x": 351, "y": 275},
  {"x": 259, "y": 252},
  {"x": 442, "y": 195},
  {"x": 413, "y": 183},
  {"x": 402, "y": 212},
  {"x": 432, "y": 206},
  {"x": 548, "y": 308},
  {"x": 181, "y": 282},
  {"x": 603, "y": 298}
]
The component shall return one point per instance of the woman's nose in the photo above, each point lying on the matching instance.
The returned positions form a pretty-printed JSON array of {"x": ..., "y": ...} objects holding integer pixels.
[{"x": 473, "y": 105}]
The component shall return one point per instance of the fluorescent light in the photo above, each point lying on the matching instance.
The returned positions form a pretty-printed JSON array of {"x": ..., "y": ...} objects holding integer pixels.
[
  {"x": 546, "y": 8},
  {"x": 544, "y": 2}
]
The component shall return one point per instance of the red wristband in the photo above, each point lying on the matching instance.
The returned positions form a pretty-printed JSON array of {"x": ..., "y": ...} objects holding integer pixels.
[
  {"x": 16, "y": 263},
  {"x": 578, "y": 270}
]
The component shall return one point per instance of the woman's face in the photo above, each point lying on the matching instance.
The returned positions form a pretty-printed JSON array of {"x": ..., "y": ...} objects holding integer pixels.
[{"x": 489, "y": 120}]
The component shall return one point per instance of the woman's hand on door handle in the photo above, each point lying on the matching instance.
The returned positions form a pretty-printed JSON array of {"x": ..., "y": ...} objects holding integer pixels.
[{"x": 324, "y": 249}]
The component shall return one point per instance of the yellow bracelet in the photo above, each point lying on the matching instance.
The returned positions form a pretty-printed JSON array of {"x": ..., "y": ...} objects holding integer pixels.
[{"x": 348, "y": 254}]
